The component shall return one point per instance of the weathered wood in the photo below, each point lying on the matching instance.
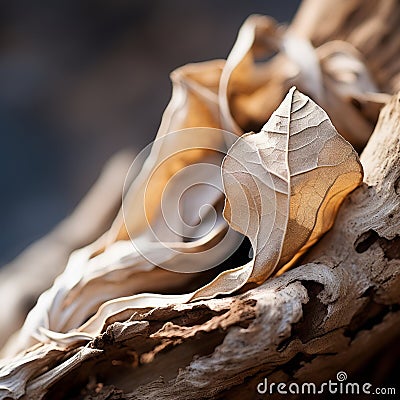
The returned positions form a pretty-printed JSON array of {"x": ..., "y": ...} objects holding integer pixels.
[{"x": 330, "y": 314}]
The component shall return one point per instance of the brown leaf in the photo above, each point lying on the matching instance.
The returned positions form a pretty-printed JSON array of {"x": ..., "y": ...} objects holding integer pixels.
[
  {"x": 283, "y": 189},
  {"x": 292, "y": 176}
]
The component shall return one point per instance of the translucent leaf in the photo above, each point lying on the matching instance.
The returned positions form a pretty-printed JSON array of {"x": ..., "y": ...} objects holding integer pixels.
[{"x": 283, "y": 189}]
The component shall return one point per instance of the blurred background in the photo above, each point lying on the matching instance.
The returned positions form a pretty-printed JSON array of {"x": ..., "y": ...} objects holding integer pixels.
[{"x": 80, "y": 80}]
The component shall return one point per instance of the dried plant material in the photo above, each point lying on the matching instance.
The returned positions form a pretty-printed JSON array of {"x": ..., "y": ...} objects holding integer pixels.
[
  {"x": 333, "y": 74},
  {"x": 292, "y": 176},
  {"x": 148, "y": 232},
  {"x": 15, "y": 373},
  {"x": 250, "y": 91},
  {"x": 238, "y": 94},
  {"x": 283, "y": 189},
  {"x": 370, "y": 26},
  {"x": 194, "y": 104},
  {"x": 349, "y": 90}
]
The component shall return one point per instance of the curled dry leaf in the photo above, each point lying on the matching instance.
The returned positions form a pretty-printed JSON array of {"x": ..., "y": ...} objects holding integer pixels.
[
  {"x": 283, "y": 189},
  {"x": 292, "y": 176},
  {"x": 250, "y": 91},
  {"x": 267, "y": 60}
]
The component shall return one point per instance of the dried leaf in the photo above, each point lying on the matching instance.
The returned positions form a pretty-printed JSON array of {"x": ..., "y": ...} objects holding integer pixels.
[
  {"x": 267, "y": 60},
  {"x": 350, "y": 91},
  {"x": 250, "y": 91},
  {"x": 194, "y": 103},
  {"x": 283, "y": 189},
  {"x": 292, "y": 176}
]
